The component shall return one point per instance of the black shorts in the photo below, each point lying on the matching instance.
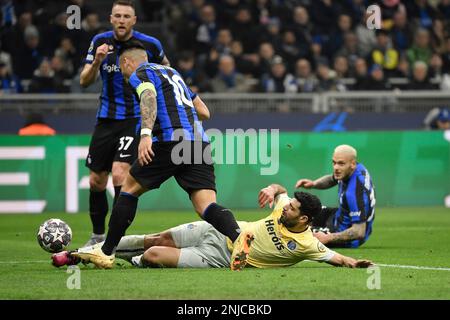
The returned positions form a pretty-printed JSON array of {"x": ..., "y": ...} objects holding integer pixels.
[
  {"x": 113, "y": 140},
  {"x": 196, "y": 173}
]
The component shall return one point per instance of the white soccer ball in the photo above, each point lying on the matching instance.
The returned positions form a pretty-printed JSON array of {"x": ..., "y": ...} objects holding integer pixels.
[{"x": 54, "y": 235}]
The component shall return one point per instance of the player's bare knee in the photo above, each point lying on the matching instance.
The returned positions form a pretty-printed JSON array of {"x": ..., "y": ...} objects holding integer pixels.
[
  {"x": 119, "y": 172},
  {"x": 98, "y": 181},
  {"x": 118, "y": 178},
  {"x": 152, "y": 257}
]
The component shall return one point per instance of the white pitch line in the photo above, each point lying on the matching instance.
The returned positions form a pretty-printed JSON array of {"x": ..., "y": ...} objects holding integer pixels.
[
  {"x": 20, "y": 262},
  {"x": 412, "y": 267},
  {"x": 399, "y": 266}
]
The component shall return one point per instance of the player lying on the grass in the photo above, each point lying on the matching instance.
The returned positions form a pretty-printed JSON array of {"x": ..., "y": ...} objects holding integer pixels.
[{"x": 282, "y": 239}]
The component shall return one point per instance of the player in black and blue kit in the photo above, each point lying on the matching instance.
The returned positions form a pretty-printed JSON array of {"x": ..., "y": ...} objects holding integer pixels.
[
  {"x": 173, "y": 144},
  {"x": 349, "y": 225},
  {"x": 113, "y": 146}
]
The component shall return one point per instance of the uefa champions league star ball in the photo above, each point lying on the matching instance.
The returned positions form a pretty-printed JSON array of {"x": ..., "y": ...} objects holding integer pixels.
[{"x": 54, "y": 235}]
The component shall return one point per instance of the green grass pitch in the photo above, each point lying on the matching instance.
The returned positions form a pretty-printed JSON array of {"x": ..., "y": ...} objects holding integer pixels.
[{"x": 402, "y": 236}]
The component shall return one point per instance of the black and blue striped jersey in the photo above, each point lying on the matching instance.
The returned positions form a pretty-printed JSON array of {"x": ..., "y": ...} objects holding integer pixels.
[
  {"x": 356, "y": 203},
  {"x": 117, "y": 99},
  {"x": 176, "y": 117}
]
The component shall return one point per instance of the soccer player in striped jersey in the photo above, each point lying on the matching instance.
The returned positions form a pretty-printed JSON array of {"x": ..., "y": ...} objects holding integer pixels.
[
  {"x": 113, "y": 147},
  {"x": 349, "y": 225},
  {"x": 173, "y": 144}
]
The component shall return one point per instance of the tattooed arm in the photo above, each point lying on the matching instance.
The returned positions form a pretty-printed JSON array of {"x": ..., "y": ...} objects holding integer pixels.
[
  {"x": 324, "y": 182},
  {"x": 148, "y": 109},
  {"x": 148, "y": 116},
  {"x": 355, "y": 232}
]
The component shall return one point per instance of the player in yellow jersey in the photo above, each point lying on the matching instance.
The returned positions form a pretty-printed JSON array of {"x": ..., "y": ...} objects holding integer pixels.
[{"x": 282, "y": 239}]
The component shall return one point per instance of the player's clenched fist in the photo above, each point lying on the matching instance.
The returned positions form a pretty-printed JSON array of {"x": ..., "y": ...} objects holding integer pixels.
[
  {"x": 305, "y": 183},
  {"x": 102, "y": 52}
]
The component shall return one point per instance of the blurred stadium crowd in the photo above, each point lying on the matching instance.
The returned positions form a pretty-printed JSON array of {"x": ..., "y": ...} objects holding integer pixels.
[{"x": 242, "y": 46}]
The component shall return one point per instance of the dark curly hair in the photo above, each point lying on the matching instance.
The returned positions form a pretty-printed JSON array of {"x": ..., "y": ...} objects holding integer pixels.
[{"x": 310, "y": 205}]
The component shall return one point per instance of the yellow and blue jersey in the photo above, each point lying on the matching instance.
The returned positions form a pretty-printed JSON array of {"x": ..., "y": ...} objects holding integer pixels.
[{"x": 275, "y": 246}]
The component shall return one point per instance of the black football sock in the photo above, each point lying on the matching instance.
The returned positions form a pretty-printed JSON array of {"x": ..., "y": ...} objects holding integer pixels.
[
  {"x": 98, "y": 209},
  {"x": 223, "y": 220},
  {"x": 116, "y": 194},
  {"x": 121, "y": 217}
]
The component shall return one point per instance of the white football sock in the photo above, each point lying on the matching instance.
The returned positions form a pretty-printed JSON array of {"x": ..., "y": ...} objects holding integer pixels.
[
  {"x": 137, "y": 261},
  {"x": 130, "y": 246}
]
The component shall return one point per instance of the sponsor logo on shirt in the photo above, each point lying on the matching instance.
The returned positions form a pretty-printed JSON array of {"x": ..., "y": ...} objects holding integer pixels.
[
  {"x": 355, "y": 214},
  {"x": 271, "y": 230},
  {"x": 111, "y": 68}
]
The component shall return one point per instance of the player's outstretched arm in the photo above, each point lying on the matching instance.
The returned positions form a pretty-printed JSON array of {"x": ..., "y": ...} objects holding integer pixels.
[
  {"x": 201, "y": 109},
  {"x": 340, "y": 260},
  {"x": 324, "y": 182},
  {"x": 305, "y": 183}
]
